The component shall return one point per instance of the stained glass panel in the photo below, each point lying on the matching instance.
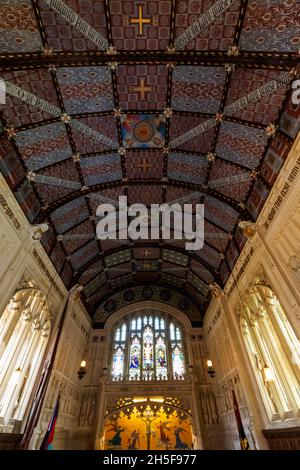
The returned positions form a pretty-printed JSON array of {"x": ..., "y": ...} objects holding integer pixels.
[
  {"x": 161, "y": 359},
  {"x": 178, "y": 362},
  {"x": 148, "y": 348},
  {"x": 147, "y": 343},
  {"x": 135, "y": 359},
  {"x": 118, "y": 363},
  {"x": 172, "y": 331}
]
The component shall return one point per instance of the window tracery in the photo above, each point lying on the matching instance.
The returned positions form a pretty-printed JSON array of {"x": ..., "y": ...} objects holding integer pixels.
[
  {"x": 152, "y": 348},
  {"x": 24, "y": 329},
  {"x": 274, "y": 352}
]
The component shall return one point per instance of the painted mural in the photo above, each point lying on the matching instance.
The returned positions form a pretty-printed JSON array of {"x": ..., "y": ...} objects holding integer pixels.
[{"x": 149, "y": 430}]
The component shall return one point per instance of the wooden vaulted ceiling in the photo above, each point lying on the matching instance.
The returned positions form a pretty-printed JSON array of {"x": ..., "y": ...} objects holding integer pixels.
[{"x": 102, "y": 69}]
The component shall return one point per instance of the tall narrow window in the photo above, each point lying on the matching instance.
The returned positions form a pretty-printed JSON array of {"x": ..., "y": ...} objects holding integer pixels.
[
  {"x": 273, "y": 350},
  {"x": 135, "y": 359},
  {"x": 24, "y": 330},
  {"x": 148, "y": 347},
  {"x": 148, "y": 363},
  {"x": 119, "y": 353}
]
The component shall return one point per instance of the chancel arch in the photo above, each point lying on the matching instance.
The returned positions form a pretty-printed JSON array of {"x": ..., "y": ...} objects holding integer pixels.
[
  {"x": 147, "y": 344},
  {"x": 25, "y": 325}
]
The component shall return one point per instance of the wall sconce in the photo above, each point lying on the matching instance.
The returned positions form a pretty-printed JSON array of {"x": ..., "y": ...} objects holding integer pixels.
[
  {"x": 82, "y": 370},
  {"x": 269, "y": 374},
  {"x": 210, "y": 369}
]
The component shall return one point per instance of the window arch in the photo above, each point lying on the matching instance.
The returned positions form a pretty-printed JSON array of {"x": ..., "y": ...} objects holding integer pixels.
[
  {"x": 151, "y": 348},
  {"x": 274, "y": 352},
  {"x": 24, "y": 330}
]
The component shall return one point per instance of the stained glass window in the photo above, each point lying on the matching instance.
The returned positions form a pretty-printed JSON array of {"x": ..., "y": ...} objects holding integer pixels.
[{"x": 148, "y": 347}]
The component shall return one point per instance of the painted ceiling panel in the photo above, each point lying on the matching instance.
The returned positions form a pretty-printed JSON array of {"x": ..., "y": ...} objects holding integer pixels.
[
  {"x": 189, "y": 168},
  {"x": 61, "y": 36},
  {"x": 218, "y": 35},
  {"x": 119, "y": 270},
  {"x": 105, "y": 125},
  {"x": 78, "y": 235},
  {"x": 265, "y": 110},
  {"x": 91, "y": 272},
  {"x": 222, "y": 177},
  {"x": 80, "y": 257},
  {"x": 210, "y": 255},
  {"x": 241, "y": 144},
  {"x": 86, "y": 89},
  {"x": 198, "y": 268},
  {"x": 173, "y": 269},
  {"x": 131, "y": 34},
  {"x": 220, "y": 213},
  {"x": 40, "y": 83},
  {"x": 202, "y": 143},
  {"x": 101, "y": 168},
  {"x": 271, "y": 25},
  {"x": 18, "y": 27},
  {"x": 44, "y": 145},
  {"x": 142, "y": 87},
  {"x": 143, "y": 164},
  {"x": 198, "y": 89},
  {"x": 127, "y": 100},
  {"x": 69, "y": 215},
  {"x": 51, "y": 193}
]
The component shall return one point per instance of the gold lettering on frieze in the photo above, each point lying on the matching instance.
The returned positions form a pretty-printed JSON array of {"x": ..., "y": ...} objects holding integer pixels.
[
  {"x": 9, "y": 212},
  {"x": 47, "y": 273},
  {"x": 284, "y": 191}
]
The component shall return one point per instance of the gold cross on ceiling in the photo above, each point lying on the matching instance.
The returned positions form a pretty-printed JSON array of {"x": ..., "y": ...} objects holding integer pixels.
[
  {"x": 144, "y": 164},
  {"x": 142, "y": 89},
  {"x": 140, "y": 21}
]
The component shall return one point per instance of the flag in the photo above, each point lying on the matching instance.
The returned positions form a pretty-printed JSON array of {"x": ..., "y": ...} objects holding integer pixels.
[
  {"x": 243, "y": 439},
  {"x": 48, "y": 439}
]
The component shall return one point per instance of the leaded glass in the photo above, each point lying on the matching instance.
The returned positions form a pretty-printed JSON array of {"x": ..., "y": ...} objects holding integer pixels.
[
  {"x": 135, "y": 359},
  {"x": 123, "y": 334},
  {"x": 150, "y": 347},
  {"x": 118, "y": 363},
  {"x": 161, "y": 359},
  {"x": 178, "y": 362}
]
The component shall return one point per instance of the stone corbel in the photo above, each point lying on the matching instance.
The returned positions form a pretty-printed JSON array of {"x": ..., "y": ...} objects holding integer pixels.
[
  {"x": 294, "y": 265},
  {"x": 37, "y": 231},
  {"x": 216, "y": 290},
  {"x": 249, "y": 228}
]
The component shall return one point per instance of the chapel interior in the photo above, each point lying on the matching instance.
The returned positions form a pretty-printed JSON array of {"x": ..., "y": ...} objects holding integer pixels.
[{"x": 145, "y": 344}]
